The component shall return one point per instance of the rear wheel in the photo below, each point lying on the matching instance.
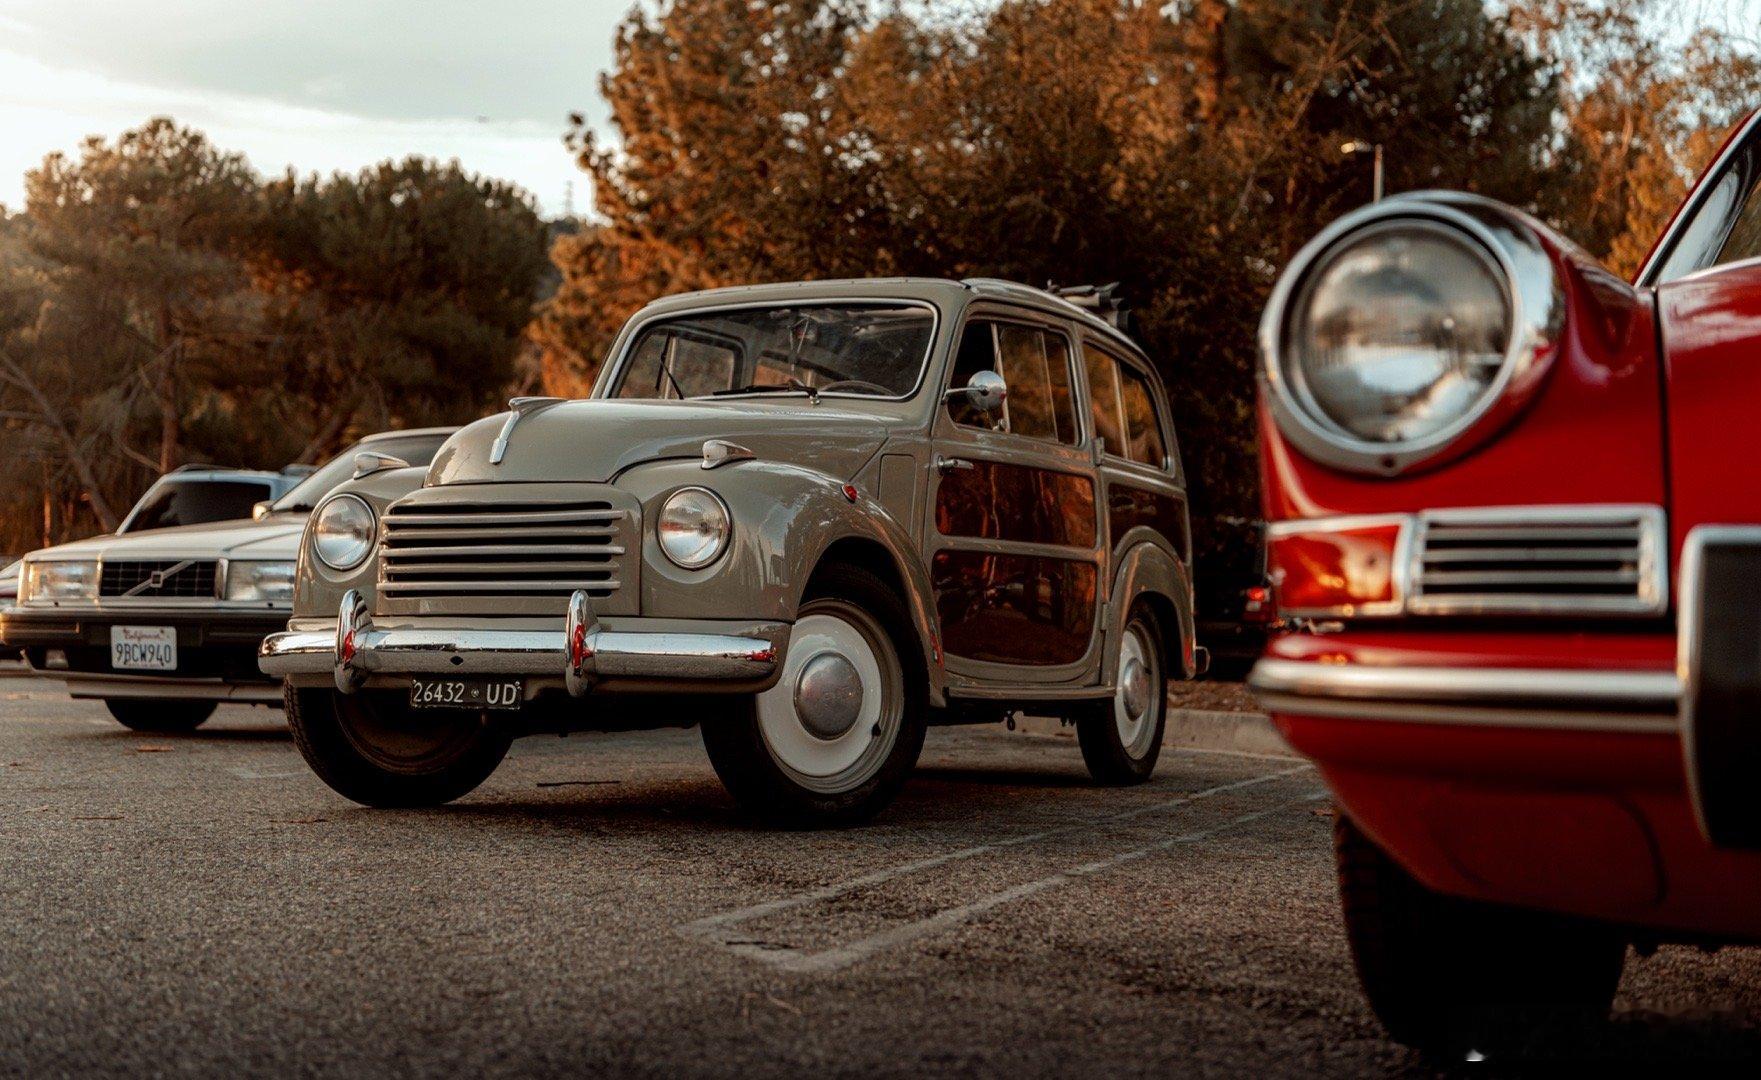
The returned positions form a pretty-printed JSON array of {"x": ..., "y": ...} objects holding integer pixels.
[
  {"x": 159, "y": 715},
  {"x": 1447, "y": 975},
  {"x": 833, "y": 741},
  {"x": 1121, "y": 738},
  {"x": 370, "y": 746}
]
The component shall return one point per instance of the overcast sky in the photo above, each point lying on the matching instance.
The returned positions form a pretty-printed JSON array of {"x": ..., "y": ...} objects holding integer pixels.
[{"x": 317, "y": 84}]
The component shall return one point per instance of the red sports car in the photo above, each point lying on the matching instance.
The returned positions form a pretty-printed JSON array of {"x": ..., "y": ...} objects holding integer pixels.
[{"x": 1516, "y": 534}]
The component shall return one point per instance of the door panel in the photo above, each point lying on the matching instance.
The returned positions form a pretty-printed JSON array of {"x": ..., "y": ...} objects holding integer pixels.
[
  {"x": 995, "y": 501},
  {"x": 1014, "y": 535},
  {"x": 1014, "y": 609}
]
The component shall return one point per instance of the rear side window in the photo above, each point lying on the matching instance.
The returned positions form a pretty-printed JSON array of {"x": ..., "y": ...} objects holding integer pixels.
[
  {"x": 1124, "y": 409},
  {"x": 1035, "y": 363}
]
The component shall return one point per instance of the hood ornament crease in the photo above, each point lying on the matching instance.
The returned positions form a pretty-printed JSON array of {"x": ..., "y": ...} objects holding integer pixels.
[{"x": 522, "y": 407}]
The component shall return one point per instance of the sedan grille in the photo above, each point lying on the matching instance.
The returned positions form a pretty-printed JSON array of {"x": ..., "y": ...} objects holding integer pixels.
[
  {"x": 1539, "y": 560},
  {"x": 165, "y": 579},
  {"x": 522, "y": 556}
]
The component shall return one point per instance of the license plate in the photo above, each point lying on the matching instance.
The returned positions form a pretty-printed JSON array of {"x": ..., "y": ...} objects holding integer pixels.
[
  {"x": 143, "y": 648},
  {"x": 465, "y": 693}
]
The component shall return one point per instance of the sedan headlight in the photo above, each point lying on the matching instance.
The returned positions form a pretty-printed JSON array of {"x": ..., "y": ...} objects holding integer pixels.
[
  {"x": 59, "y": 579},
  {"x": 693, "y": 527},
  {"x": 263, "y": 581},
  {"x": 342, "y": 532},
  {"x": 1401, "y": 328}
]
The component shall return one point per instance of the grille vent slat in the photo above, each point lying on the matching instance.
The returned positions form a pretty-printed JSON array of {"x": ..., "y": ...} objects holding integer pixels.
[
  {"x": 473, "y": 553},
  {"x": 177, "y": 579},
  {"x": 1592, "y": 560}
]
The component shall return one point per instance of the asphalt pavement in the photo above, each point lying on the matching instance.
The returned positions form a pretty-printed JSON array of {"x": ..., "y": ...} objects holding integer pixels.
[{"x": 202, "y": 905}]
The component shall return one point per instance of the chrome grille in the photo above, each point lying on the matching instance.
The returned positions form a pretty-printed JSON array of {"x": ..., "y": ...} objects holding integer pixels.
[
  {"x": 163, "y": 579},
  {"x": 1539, "y": 560},
  {"x": 440, "y": 553}
]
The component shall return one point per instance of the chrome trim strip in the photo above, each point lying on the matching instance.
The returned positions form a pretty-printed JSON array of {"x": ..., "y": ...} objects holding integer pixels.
[
  {"x": 1688, "y": 644},
  {"x": 543, "y": 653},
  {"x": 1540, "y": 698}
]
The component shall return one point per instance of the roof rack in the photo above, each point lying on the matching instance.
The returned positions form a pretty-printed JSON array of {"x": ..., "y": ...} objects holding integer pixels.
[{"x": 1103, "y": 300}]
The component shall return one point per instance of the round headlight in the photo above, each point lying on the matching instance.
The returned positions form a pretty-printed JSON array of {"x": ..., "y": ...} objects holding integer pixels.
[
  {"x": 693, "y": 527},
  {"x": 342, "y": 535},
  {"x": 1398, "y": 333}
]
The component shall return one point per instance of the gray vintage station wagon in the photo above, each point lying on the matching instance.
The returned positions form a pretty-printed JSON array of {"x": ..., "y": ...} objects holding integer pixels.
[{"x": 813, "y": 518}]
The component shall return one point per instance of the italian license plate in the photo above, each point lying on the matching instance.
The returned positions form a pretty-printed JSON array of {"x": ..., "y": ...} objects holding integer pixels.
[
  {"x": 465, "y": 693},
  {"x": 143, "y": 648}
]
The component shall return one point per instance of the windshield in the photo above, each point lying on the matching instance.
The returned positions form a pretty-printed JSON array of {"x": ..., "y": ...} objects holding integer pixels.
[
  {"x": 170, "y": 503},
  {"x": 415, "y": 449},
  {"x": 870, "y": 350}
]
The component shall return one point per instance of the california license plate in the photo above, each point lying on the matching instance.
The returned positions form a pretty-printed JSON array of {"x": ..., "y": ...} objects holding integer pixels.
[
  {"x": 143, "y": 648},
  {"x": 465, "y": 693}
]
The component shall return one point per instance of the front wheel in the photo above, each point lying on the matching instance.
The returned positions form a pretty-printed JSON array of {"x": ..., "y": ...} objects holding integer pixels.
[
  {"x": 1121, "y": 737},
  {"x": 833, "y": 741},
  {"x": 1446, "y": 975},
  {"x": 159, "y": 716},
  {"x": 370, "y": 746}
]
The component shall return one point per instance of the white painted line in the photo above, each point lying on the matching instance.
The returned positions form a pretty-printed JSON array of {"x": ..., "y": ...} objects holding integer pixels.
[
  {"x": 842, "y": 956},
  {"x": 713, "y": 927}
]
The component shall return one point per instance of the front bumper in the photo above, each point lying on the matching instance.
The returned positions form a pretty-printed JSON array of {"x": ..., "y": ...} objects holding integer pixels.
[
  {"x": 700, "y": 656},
  {"x": 216, "y": 650}
]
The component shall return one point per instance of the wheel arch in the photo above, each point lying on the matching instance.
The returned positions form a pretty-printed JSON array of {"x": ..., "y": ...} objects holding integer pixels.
[
  {"x": 874, "y": 542},
  {"x": 1150, "y": 575}
]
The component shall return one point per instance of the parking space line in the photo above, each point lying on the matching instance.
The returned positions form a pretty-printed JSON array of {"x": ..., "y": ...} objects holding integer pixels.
[
  {"x": 801, "y": 962},
  {"x": 715, "y": 928}
]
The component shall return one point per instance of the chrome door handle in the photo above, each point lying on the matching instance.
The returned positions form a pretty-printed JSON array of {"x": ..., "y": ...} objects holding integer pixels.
[{"x": 946, "y": 465}]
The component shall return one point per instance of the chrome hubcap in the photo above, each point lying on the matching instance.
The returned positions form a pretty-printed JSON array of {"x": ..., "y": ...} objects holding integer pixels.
[
  {"x": 1134, "y": 702},
  {"x": 1134, "y": 684},
  {"x": 828, "y": 695}
]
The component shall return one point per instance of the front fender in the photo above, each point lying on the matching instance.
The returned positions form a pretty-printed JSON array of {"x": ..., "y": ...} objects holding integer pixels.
[
  {"x": 786, "y": 519},
  {"x": 317, "y": 588},
  {"x": 1149, "y": 570}
]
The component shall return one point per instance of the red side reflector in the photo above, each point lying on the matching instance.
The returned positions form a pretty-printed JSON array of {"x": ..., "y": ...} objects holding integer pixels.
[{"x": 1341, "y": 570}]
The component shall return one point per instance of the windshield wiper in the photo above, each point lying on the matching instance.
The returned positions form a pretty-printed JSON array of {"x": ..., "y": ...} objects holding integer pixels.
[{"x": 793, "y": 386}]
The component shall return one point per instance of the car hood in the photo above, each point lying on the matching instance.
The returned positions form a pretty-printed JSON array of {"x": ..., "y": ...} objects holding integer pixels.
[
  {"x": 275, "y": 537},
  {"x": 594, "y": 441}
]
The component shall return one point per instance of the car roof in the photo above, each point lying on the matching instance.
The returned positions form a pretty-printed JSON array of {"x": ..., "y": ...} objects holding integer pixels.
[
  {"x": 942, "y": 291},
  {"x": 206, "y": 472}
]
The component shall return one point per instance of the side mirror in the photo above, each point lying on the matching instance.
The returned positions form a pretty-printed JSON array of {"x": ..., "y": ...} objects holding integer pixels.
[
  {"x": 985, "y": 391},
  {"x": 260, "y": 510}
]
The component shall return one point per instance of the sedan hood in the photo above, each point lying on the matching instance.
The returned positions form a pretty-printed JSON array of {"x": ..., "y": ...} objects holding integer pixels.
[
  {"x": 594, "y": 441},
  {"x": 275, "y": 537}
]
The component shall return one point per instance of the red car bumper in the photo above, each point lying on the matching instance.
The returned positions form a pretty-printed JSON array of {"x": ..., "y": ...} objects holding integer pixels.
[{"x": 1537, "y": 769}]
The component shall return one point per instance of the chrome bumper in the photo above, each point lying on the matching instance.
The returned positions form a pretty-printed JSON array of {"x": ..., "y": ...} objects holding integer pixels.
[
  {"x": 1546, "y": 698},
  {"x": 579, "y": 653}
]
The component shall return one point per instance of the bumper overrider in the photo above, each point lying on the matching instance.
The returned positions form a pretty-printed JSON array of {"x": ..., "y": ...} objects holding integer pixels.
[{"x": 578, "y": 656}]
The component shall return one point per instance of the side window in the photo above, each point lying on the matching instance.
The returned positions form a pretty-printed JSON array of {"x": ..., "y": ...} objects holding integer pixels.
[
  {"x": 1143, "y": 428},
  {"x": 1726, "y": 227},
  {"x": 1103, "y": 396},
  {"x": 1036, "y": 365}
]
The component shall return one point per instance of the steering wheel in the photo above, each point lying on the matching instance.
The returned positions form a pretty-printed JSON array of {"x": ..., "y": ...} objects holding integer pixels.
[{"x": 883, "y": 391}]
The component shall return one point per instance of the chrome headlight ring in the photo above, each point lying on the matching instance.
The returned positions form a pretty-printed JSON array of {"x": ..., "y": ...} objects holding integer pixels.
[
  {"x": 1532, "y": 291},
  {"x": 343, "y": 530}
]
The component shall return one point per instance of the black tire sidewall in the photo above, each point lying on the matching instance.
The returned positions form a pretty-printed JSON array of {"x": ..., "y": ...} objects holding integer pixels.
[
  {"x": 1105, "y": 754},
  {"x": 159, "y": 715},
  {"x": 743, "y": 760},
  {"x": 317, "y": 727}
]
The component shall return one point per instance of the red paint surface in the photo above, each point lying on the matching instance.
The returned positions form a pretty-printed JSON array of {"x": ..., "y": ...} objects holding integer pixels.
[{"x": 1712, "y": 334}]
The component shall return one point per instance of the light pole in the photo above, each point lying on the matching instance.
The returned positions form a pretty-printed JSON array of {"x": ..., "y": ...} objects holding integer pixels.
[{"x": 1358, "y": 146}]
